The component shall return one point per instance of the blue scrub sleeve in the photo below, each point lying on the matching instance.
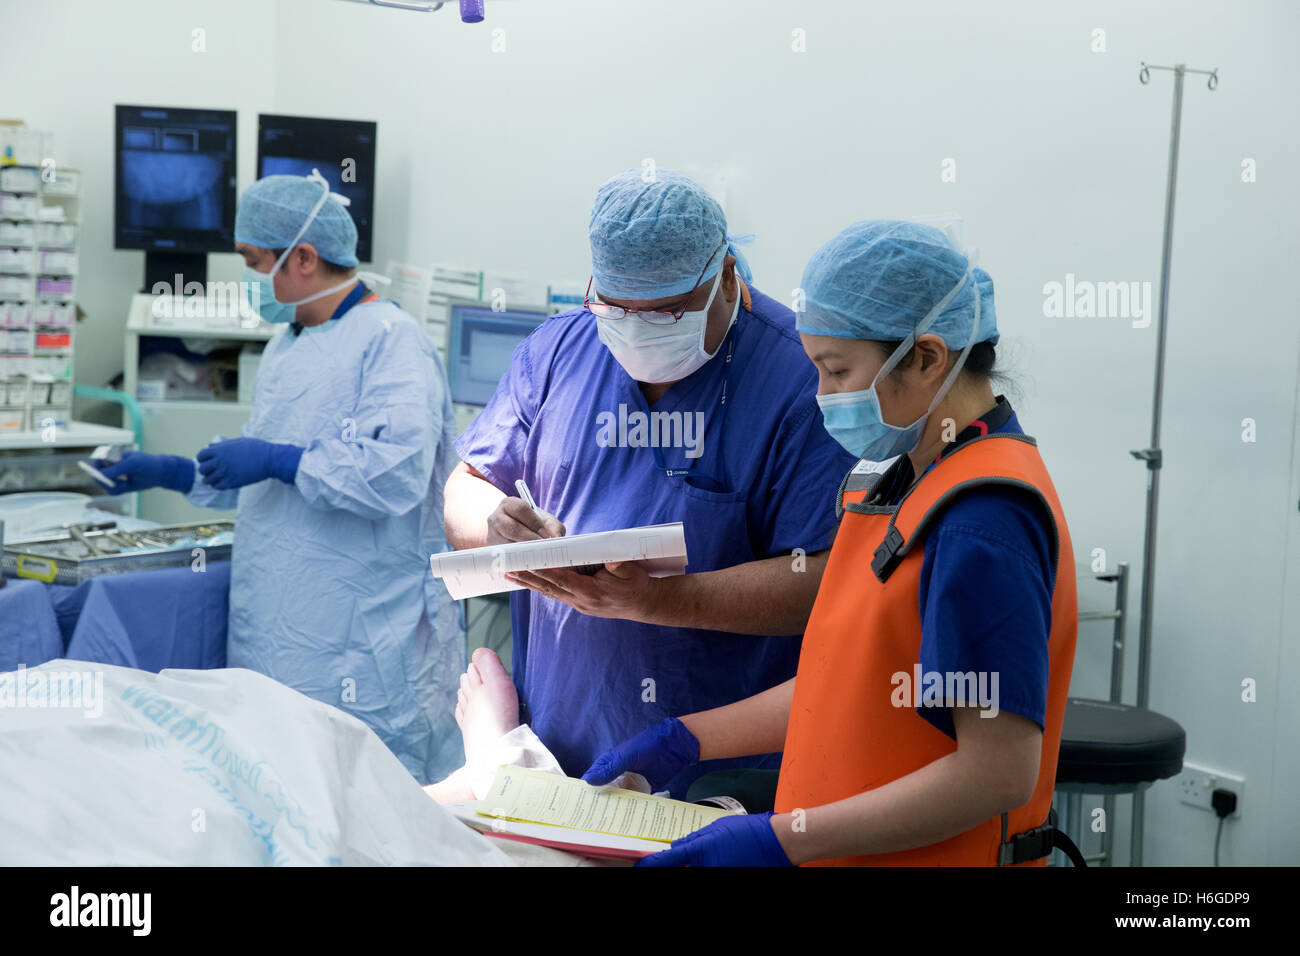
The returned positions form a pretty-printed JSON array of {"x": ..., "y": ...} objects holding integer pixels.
[
  {"x": 986, "y": 599},
  {"x": 494, "y": 443},
  {"x": 380, "y": 463},
  {"x": 806, "y": 469}
]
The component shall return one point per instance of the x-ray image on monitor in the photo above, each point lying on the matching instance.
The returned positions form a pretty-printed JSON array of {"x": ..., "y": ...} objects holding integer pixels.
[{"x": 175, "y": 179}]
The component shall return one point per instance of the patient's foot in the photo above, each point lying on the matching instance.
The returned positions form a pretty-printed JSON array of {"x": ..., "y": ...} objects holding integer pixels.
[{"x": 487, "y": 705}]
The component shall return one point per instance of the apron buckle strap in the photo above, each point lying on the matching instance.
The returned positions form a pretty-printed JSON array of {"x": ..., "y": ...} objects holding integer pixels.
[
  {"x": 887, "y": 557},
  {"x": 1031, "y": 845},
  {"x": 1037, "y": 843}
]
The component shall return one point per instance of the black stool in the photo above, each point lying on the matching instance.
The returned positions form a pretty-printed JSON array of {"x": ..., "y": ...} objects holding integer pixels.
[{"x": 1109, "y": 748}]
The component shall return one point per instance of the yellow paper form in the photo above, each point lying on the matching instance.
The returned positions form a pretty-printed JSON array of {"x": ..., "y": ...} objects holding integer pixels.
[{"x": 534, "y": 796}]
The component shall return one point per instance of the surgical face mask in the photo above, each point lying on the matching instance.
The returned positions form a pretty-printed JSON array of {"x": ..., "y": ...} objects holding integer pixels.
[
  {"x": 266, "y": 305},
  {"x": 854, "y": 418},
  {"x": 661, "y": 353}
]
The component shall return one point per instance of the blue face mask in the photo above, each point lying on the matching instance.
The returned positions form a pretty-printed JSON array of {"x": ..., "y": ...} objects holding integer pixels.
[
  {"x": 853, "y": 418},
  {"x": 264, "y": 303}
]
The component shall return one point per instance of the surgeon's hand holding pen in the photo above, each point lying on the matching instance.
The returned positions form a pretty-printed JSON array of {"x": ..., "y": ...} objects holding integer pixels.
[
  {"x": 619, "y": 590},
  {"x": 519, "y": 519}
]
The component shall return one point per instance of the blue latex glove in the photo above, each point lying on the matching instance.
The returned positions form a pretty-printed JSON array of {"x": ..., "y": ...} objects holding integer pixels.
[
  {"x": 657, "y": 753},
  {"x": 236, "y": 462},
  {"x": 731, "y": 841},
  {"x": 137, "y": 471}
]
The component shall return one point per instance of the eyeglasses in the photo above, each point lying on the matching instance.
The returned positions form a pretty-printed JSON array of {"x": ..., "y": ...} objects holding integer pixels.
[{"x": 603, "y": 310}]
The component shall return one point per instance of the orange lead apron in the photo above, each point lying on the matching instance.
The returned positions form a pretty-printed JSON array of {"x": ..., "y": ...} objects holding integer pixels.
[{"x": 845, "y": 735}]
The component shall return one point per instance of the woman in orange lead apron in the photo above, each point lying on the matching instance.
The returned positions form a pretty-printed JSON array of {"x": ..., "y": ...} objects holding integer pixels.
[{"x": 923, "y": 724}]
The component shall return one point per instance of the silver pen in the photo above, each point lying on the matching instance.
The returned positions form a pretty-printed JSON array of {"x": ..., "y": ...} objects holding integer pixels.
[{"x": 522, "y": 487}]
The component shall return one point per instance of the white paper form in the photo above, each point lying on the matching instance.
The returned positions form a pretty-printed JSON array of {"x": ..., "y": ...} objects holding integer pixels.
[
  {"x": 534, "y": 796},
  {"x": 476, "y": 571}
]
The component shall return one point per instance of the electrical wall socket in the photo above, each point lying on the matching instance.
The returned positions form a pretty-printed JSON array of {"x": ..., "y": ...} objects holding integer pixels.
[{"x": 1196, "y": 785}]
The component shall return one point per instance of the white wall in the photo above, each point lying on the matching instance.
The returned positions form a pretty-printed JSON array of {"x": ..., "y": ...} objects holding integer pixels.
[
  {"x": 492, "y": 159},
  {"x": 139, "y": 53}
]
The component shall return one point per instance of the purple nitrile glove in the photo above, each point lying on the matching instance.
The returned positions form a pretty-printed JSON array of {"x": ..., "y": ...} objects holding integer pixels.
[
  {"x": 138, "y": 471},
  {"x": 244, "y": 461},
  {"x": 657, "y": 753},
  {"x": 731, "y": 841}
]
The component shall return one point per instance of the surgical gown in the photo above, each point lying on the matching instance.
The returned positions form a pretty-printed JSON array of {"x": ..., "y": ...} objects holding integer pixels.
[
  {"x": 763, "y": 486},
  {"x": 330, "y": 587}
]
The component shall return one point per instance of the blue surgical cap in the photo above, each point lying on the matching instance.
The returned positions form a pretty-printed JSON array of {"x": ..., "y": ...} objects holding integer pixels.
[
  {"x": 658, "y": 238},
  {"x": 273, "y": 209},
  {"x": 879, "y": 278}
]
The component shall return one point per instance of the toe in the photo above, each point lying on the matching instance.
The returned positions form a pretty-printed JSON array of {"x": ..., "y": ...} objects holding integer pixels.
[{"x": 490, "y": 666}]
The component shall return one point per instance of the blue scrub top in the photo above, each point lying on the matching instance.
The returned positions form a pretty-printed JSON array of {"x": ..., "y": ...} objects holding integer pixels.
[
  {"x": 763, "y": 486},
  {"x": 991, "y": 551}
]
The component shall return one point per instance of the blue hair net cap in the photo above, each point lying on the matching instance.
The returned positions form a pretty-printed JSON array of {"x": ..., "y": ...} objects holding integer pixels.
[
  {"x": 879, "y": 278},
  {"x": 653, "y": 239},
  {"x": 273, "y": 209}
]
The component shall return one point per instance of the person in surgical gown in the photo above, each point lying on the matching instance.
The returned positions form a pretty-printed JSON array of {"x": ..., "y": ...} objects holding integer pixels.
[{"x": 338, "y": 478}]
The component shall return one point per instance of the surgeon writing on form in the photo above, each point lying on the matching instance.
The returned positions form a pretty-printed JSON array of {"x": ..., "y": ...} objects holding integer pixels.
[
  {"x": 338, "y": 477},
  {"x": 671, "y": 327}
]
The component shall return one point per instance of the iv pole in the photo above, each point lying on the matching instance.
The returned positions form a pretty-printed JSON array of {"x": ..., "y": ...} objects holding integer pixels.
[{"x": 1152, "y": 455}]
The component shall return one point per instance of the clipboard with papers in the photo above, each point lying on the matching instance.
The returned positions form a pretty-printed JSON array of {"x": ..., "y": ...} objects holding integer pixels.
[
  {"x": 660, "y": 548},
  {"x": 533, "y": 806}
]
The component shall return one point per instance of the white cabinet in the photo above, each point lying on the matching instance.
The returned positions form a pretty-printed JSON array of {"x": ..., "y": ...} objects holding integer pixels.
[{"x": 183, "y": 426}]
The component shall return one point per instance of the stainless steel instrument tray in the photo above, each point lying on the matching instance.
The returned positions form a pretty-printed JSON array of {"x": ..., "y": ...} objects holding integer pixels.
[{"x": 65, "y": 560}]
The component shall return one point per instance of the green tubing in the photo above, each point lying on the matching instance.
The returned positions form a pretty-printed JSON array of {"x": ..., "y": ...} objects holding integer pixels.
[{"x": 127, "y": 402}]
